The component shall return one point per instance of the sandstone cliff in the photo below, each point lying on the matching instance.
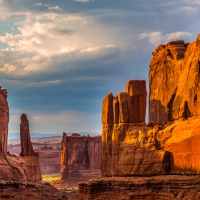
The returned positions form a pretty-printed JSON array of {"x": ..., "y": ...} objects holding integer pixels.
[
  {"x": 80, "y": 157},
  {"x": 129, "y": 146},
  {"x": 169, "y": 144},
  {"x": 25, "y": 167},
  {"x": 177, "y": 97}
]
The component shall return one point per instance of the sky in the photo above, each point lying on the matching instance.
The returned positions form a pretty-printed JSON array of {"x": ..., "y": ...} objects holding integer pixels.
[{"x": 58, "y": 59}]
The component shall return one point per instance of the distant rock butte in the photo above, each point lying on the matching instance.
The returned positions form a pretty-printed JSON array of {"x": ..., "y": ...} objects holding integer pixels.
[
  {"x": 80, "y": 157},
  {"x": 169, "y": 144},
  {"x": 25, "y": 167}
]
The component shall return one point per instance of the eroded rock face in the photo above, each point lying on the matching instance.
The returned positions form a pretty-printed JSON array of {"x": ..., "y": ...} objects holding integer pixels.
[
  {"x": 129, "y": 146},
  {"x": 26, "y": 145},
  {"x": 175, "y": 103},
  {"x": 166, "y": 67},
  {"x": 80, "y": 157},
  {"x": 25, "y": 167},
  {"x": 174, "y": 82},
  {"x": 127, "y": 107},
  {"x": 4, "y": 119}
]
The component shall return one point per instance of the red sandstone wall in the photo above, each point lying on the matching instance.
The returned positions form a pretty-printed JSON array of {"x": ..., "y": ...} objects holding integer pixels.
[{"x": 80, "y": 157}]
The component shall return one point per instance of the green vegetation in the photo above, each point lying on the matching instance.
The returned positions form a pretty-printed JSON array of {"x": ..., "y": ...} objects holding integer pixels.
[{"x": 50, "y": 177}]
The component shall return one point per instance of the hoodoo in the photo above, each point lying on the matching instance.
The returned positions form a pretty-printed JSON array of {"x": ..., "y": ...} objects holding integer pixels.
[{"x": 26, "y": 145}]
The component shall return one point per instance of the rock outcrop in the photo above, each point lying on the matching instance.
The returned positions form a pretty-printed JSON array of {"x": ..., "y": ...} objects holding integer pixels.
[
  {"x": 80, "y": 157},
  {"x": 26, "y": 145},
  {"x": 25, "y": 167},
  {"x": 174, "y": 101},
  {"x": 4, "y": 119},
  {"x": 169, "y": 144},
  {"x": 166, "y": 67},
  {"x": 174, "y": 81},
  {"x": 129, "y": 146}
]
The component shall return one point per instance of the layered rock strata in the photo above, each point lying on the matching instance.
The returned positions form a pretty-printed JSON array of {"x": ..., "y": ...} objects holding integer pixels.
[
  {"x": 174, "y": 99},
  {"x": 25, "y": 167},
  {"x": 129, "y": 146},
  {"x": 137, "y": 188},
  {"x": 80, "y": 157},
  {"x": 174, "y": 81}
]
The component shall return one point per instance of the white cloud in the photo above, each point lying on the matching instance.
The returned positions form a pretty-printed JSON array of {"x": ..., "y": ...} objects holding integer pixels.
[
  {"x": 54, "y": 8},
  {"x": 84, "y": 1},
  {"x": 157, "y": 38},
  {"x": 8, "y": 68},
  {"x": 40, "y": 4},
  {"x": 47, "y": 40},
  {"x": 68, "y": 49}
]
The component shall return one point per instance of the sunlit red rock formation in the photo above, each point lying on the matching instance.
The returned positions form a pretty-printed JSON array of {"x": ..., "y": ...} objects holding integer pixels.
[
  {"x": 166, "y": 67},
  {"x": 80, "y": 157},
  {"x": 25, "y": 167},
  {"x": 129, "y": 146},
  {"x": 174, "y": 101}
]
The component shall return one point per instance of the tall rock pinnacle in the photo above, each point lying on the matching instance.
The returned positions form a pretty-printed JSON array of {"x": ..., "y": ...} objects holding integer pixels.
[
  {"x": 4, "y": 119},
  {"x": 26, "y": 145}
]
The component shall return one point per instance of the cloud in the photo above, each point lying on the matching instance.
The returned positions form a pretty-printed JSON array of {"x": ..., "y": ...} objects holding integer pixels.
[
  {"x": 12, "y": 16},
  {"x": 54, "y": 8},
  {"x": 8, "y": 68},
  {"x": 41, "y": 4},
  {"x": 157, "y": 38},
  {"x": 84, "y": 1}
]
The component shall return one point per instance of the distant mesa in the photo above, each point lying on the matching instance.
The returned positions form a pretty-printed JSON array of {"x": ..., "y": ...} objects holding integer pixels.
[
  {"x": 75, "y": 134},
  {"x": 80, "y": 158}
]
